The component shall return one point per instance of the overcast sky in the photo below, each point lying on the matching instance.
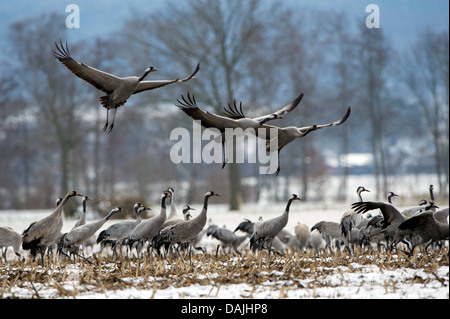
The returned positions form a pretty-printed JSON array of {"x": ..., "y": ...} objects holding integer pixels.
[{"x": 400, "y": 19}]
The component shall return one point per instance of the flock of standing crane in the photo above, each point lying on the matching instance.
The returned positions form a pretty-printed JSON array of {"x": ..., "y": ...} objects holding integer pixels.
[
  {"x": 163, "y": 234},
  {"x": 167, "y": 232}
]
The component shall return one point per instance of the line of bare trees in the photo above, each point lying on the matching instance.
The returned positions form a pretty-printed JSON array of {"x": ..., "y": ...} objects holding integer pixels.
[{"x": 261, "y": 53}]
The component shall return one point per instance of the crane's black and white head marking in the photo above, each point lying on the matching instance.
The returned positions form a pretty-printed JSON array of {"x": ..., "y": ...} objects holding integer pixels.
[
  {"x": 142, "y": 208},
  {"x": 147, "y": 71},
  {"x": 276, "y": 116},
  {"x": 362, "y": 189},
  {"x": 211, "y": 193}
]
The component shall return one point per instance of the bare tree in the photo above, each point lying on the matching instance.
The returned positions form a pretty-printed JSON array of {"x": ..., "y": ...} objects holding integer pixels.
[
  {"x": 55, "y": 103},
  {"x": 428, "y": 81},
  {"x": 302, "y": 45},
  {"x": 373, "y": 59},
  {"x": 344, "y": 80},
  {"x": 222, "y": 35}
]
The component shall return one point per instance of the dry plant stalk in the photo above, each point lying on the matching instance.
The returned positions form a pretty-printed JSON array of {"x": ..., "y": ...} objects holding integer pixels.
[{"x": 157, "y": 272}]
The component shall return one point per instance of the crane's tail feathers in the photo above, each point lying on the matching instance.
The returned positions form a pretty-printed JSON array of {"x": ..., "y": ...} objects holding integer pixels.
[{"x": 102, "y": 236}]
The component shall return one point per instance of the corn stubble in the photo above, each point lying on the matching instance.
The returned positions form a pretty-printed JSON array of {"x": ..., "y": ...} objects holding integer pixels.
[{"x": 69, "y": 278}]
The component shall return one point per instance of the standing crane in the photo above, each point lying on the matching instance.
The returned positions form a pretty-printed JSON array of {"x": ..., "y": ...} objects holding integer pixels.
[
  {"x": 187, "y": 231},
  {"x": 10, "y": 238},
  {"x": 149, "y": 228},
  {"x": 266, "y": 231},
  {"x": 118, "y": 232},
  {"x": 73, "y": 239},
  {"x": 45, "y": 232}
]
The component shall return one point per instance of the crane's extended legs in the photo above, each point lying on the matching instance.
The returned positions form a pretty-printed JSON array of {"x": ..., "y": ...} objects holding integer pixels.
[
  {"x": 105, "y": 127},
  {"x": 106, "y": 123}
]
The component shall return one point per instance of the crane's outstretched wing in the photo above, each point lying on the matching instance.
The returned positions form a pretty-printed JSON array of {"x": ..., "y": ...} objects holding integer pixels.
[
  {"x": 308, "y": 129},
  {"x": 390, "y": 213},
  {"x": 285, "y": 109},
  {"x": 150, "y": 85},
  {"x": 234, "y": 113},
  {"x": 103, "y": 81},
  {"x": 284, "y": 136},
  {"x": 189, "y": 106}
]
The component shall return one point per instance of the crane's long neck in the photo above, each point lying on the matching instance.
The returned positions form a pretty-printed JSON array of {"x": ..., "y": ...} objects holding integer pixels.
[
  {"x": 173, "y": 212},
  {"x": 82, "y": 219},
  {"x": 360, "y": 190},
  {"x": 163, "y": 206},
  {"x": 109, "y": 215},
  {"x": 145, "y": 74},
  {"x": 60, "y": 207},
  {"x": 389, "y": 198},
  {"x": 431, "y": 194},
  {"x": 288, "y": 206},
  {"x": 202, "y": 214}
]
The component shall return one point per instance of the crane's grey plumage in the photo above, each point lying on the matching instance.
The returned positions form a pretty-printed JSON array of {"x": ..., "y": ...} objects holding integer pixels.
[
  {"x": 90, "y": 241},
  {"x": 116, "y": 233},
  {"x": 424, "y": 229},
  {"x": 441, "y": 215},
  {"x": 74, "y": 238},
  {"x": 173, "y": 209},
  {"x": 329, "y": 231},
  {"x": 233, "y": 118},
  {"x": 350, "y": 218},
  {"x": 226, "y": 237},
  {"x": 316, "y": 240},
  {"x": 82, "y": 220},
  {"x": 158, "y": 241},
  {"x": 247, "y": 226},
  {"x": 45, "y": 232},
  {"x": 117, "y": 89},
  {"x": 186, "y": 214},
  {"x": 173, "y": 217},
  {"x": 149, "y": 228},
  {"x": 302, "y": 235},
  {"x": 10, "y": 238},
  {"x": 392, "y": 218},
  {"x": 412, "y": 211},
  {"x": 266, "y": 231},
  {"x": 187, "y": 231},
  {"x": 286, "y": 135}
]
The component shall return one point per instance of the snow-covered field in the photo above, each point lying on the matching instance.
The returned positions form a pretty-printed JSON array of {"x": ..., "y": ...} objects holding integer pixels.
[{"x": 292, "y": 276}]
